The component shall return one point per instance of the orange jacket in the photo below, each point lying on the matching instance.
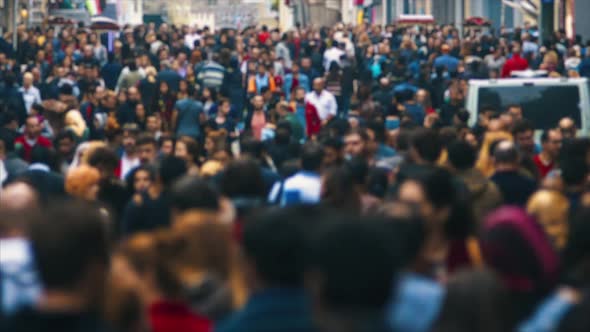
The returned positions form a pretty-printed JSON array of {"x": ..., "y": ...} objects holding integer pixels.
[{"x": 253, "y": 89}]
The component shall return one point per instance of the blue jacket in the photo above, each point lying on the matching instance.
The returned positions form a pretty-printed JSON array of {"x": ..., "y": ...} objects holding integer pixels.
[
  {"x": 288, "y": 84},
  {"x": 272, "y": 310}
]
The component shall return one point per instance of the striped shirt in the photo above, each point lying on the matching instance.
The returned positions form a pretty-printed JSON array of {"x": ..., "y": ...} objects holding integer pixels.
[{"x": 211, "y": 75}]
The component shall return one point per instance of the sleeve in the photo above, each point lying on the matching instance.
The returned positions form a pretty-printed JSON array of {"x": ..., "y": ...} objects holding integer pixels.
[{"x": 333, "y": 106}]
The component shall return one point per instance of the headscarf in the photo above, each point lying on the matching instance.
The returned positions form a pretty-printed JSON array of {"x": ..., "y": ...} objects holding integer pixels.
[{"x": 516, "y": 247}]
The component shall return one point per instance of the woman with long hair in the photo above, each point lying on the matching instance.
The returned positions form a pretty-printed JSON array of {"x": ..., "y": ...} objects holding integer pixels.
[{"x": 165, "y": 104}]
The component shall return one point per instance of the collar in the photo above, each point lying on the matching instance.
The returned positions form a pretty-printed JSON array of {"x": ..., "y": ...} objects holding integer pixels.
[{"x": 39, "y": 167}]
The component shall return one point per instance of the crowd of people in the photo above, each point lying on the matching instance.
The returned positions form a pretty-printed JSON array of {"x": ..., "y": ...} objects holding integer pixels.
[{"x": 318, "y": 179}]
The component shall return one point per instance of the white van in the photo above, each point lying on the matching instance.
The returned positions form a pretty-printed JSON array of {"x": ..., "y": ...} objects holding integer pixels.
[{"x": 544, "y": 101}]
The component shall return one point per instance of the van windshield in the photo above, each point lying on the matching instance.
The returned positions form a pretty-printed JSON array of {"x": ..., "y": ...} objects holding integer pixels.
[{"x": 543, "y": 105}]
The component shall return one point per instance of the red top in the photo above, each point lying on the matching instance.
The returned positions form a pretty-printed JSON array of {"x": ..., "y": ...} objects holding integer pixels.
[
  {"x": 170, "y": 316},
  {"x": 26, "y": 149},
  {"x": 514, "y": 63},
  {"x": 263, "y": 36},
  {"x": 543, "y": 168},
  {"x": 312, "y": 119}
]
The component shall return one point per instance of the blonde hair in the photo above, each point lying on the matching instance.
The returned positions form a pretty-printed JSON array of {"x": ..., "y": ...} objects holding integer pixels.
[
  {"x": 75, "y": 122},
  {"x": 80, "y": 179}
]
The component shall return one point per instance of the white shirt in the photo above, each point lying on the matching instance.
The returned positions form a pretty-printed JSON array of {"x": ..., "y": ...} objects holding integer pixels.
[
  {"x": 30, "y": 96},
  {"x": 332, "y": 54},
  {"x": 189, "y": 40},
  {"x": 127, "y": 164},
  {"x": 325, "y": 103},
  {"x": 301, "y": 188}
]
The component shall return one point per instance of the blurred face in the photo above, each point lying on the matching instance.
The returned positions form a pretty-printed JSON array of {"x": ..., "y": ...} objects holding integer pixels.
[
  {"x": 567, "y": 127},
  {"x": 318, "y": 85},
  {"x": 306, "y": 63},
  {"x": 225, "y": 108},
  {"x": 332, "y": 157},
  {"x": 258, "y": 103},
  {"x": 128, "y": 141},
  {"x": 133, "y": 94},
  {"x": 147, "y": 153},
  {"x": 65, "y": 147},
  {"x": 526, "y": 141},
  {"x": 553, "y": 144},
  {"x": 152, "y": 124},
  {"x": 140, "y": 111},
  {"x": 299, "y": 94},
  {"x": 516, "y": 112},
  {"x": 167, "y": 148},
  {"x": 180, "y": 151},
  {"x": 33, "y": 127},
  {"x": 354, "y": 145},
  {"x": 141, "y": 181},
  {"x": 163, "y": 88}
]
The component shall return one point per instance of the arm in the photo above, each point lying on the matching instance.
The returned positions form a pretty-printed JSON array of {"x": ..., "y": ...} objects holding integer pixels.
[{"x": 173, "y": 121}]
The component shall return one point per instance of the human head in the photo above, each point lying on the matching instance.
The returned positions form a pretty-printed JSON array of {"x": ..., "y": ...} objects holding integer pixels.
[
  {"x": 129, "y": 137},
  {"x": 515, "y": 247},
  {"x": 425, "y": 146},
  {"x": 143, "y": 177},
  {"x": 350, "y": 270},
  {"x": 243, "y": 178},
  {"x": 461, "y": 156},
  {"x": 153, "y": 123},
  {"x": 568, "y": 129},
  {"x": 333, "y": 152},
  {"x": 166, "y": 144},
  {"x": 339, "y": 191},
  {"x": 105, "y": 160},
  {"x": 318, "y": 85},
  {"x": 355, "y": 143},
  {"x": 83, "y": 182},
  {"x": 190, "y": 193},
  {"x": 524, "y": 132},
  {"x": 432, "y": 191},
  {"x": 477, "y": 294},
  {"x": 551, "y": 143},
  {"x": 32, "y": 127},
  {"x": 27, "y": 80},
  {"x": 65, "y": 143},
  {"x": 147, "y": 149},
  {"x": 506, "y": 155},
  {"x": 187, "y": 149},
  {"x": 169, "y": 169},
  {"x": 312, "y": 156},
  {"x": 551, "y": 209},
  {"x": 70, "y": 246},
  {"x": 515, "y": 111},
  {"x": 258, "y": 103}
]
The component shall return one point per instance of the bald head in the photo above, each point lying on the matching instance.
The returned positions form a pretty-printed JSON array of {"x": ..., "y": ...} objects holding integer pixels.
[
  {"x": 19, "y": 196},
  {"x": 318, "y": 85},
  {"x": 567, "y": 126},
  {"x": 506, "y": 154}
]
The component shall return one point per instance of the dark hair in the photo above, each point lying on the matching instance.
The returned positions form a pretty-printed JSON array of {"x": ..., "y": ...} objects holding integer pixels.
[
  {"x": 68, "y": 238},
  {"x": 521, "y": 126},
  {"x": 192, "y": 147},
  {"x": 130, "y": 178},
  {"x": 333, "y": 142},
  {"x": 164, "y": 138},
  {"x": 441, "y": 191},
  {"x": 190, "y": 192},
  {"x": 243, "y": 178},
  {"x": 358, "y": 169},
  {"x": 43, "y": 155},
  {"x": 545, "y": 136},
  {"x": 507, "y": 154},
  {"x": 378, "y": 128},
  {"x": 339, "y": 191},
  {"x": 462, "y": 155},
  {"x": 105, "y": 157},
  {"x": 474, "y": 301},
  {"x": 576, "y": 254},
  {"x": 312, "y": 155},
  {"x": 169, "y": 169},
  {"x": 145, "y": 140},
  {"x": 574, "y": 170},
  {"x": 64, "y": 134},
  {"x": 427, "y": 143},
  {"x": 275, "y": 242},
  {"x": 355, "y": 264}
]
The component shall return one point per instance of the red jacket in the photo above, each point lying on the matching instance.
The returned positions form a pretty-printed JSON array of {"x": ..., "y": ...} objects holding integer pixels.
[
  {"x": 25, "y": 150},
  {"x": 514, "y": 63},
  {"x": 169, "y": 316},
  {"x": 312, "y": 120}
]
